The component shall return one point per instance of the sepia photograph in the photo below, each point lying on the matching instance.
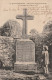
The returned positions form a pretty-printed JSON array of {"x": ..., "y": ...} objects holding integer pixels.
[{"x": 25, "y": 40}]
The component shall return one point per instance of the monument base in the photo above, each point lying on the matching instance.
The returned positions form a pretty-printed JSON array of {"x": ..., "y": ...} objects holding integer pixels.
[
  {"x": 25, "y": 55},
  {"x": 25, "y": 66}
]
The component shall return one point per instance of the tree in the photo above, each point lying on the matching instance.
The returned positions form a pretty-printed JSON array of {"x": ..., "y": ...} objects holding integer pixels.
[
  {"x": 34, "y": 35},
  {"x": 47, "y": 33},
  {"x": 11, "y": 28},
  {"x": 36, "y": 38},
  {"x": 47, "y": 28}
]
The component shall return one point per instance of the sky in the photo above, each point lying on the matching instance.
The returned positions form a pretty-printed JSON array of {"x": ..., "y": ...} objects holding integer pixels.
[{"x": 40, "y": 9}]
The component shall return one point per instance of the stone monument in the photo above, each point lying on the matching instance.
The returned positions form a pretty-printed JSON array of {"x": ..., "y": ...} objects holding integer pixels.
[{"x": 25, "y": 49}]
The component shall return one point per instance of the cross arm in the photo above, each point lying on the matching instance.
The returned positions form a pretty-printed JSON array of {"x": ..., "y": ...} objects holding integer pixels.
[
  {"x": 30, "y": 17},
  {"x": 19, "y": 17}
]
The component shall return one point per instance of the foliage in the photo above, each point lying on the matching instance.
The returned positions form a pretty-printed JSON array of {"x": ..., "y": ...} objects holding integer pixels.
[
  {"x": 47, "y": 34},
  {"x": 11, "y": 28},
  {"x": 36, "y": 38},
  {"x": 7, "y": 50}
]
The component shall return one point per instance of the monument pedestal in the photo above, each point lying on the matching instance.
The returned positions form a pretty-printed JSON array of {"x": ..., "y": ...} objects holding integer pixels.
[
  {"x": 25, "y": 66},
  {"x": 25, "y": 55}
]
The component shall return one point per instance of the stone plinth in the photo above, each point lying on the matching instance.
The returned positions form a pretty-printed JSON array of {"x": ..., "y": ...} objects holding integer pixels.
[{"x": 25, "y": 55}]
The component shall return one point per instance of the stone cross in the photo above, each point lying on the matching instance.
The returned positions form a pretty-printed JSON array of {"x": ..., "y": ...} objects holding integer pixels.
[{"x": 24, "y": 17}]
